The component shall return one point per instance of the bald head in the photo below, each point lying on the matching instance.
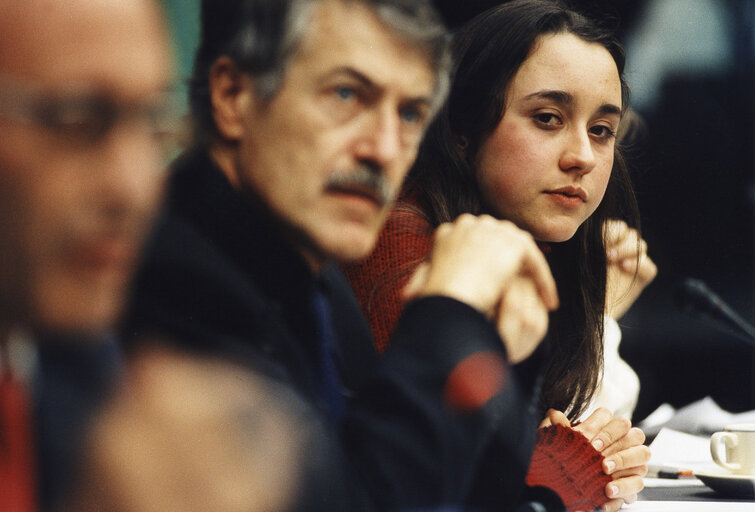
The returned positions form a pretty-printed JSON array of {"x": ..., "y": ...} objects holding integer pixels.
[{"x": 80, "y": 84}]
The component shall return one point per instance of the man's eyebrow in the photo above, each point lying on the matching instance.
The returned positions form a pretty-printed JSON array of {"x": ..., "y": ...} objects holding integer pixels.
[
  {"x": 566, "y": 99},
  {"x": 354, "y": 74},
  {"x": 370, "y": 84}
]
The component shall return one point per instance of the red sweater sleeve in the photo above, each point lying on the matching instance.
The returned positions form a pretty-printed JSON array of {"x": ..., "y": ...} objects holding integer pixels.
[
  {"x": 378, "y": 280},
  {"x": 565, "y": 461}
]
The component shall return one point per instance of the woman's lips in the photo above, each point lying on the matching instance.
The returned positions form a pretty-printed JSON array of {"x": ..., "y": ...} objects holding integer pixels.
[
  {"x": 568, "y": 196},
  {"x": 571, "y": 192}
]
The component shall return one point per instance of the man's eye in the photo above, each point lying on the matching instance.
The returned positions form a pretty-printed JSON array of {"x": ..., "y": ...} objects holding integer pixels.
[
  {"x": 410, "y": 115},
  {"x": 77, "y": 118},
  {"x": 345, "y": 93}
]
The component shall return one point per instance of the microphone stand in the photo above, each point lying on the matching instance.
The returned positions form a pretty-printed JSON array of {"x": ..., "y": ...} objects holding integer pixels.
[{"x": 695, "y": 298}]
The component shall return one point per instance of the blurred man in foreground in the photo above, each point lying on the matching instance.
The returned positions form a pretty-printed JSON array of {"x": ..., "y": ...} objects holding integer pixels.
[{"x": 82, "y": 114}]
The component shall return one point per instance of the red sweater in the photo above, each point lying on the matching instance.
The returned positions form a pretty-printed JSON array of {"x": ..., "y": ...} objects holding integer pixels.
[
  {"x": 379, "y": 279},
  {"x": 563, "y": 459}
]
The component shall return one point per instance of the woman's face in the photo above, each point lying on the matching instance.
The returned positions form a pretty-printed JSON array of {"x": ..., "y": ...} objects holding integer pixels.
[{"x": 546, "y": 165}]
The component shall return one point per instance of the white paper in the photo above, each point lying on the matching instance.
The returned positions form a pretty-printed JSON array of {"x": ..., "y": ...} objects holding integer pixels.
[
  {"x": 680, "y": 450},
  {"x": 702, "y": 417},
  {"x": 689, "y": 506}
]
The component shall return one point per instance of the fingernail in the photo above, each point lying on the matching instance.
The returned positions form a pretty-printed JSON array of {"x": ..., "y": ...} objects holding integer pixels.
[
  {"x": 597, "y": 444},
  {"x": 610, "y": 466},
  {"x": 612, "y": 491}
]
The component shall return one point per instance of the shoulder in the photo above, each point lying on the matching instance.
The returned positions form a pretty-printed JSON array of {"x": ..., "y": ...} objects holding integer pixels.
[
  {"x": 184, "y": 287},
  {"x": 408, "y": 220},
  {"x": 178, "y": 251}
]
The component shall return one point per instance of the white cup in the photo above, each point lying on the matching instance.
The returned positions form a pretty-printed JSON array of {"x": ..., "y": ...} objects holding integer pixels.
[{"x": 734, "y": 449}]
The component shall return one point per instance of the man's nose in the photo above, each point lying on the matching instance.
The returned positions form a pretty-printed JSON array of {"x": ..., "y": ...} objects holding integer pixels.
[
  {"x": 133, "y": 161},
  {"x": 381, "y": 139}
]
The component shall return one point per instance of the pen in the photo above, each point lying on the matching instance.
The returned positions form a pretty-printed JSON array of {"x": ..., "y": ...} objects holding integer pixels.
[{"x": 668, "y": 472}]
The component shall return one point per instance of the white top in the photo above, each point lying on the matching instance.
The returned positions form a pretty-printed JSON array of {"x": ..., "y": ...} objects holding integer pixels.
[{"x": 619, "y": 387}]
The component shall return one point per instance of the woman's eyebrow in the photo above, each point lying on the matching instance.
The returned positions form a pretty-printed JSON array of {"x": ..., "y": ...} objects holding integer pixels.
[
  {"x": 566, "y": 99},
  {"x": 562, "y": 97}
]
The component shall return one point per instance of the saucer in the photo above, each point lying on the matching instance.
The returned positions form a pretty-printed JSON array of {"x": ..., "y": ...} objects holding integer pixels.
[{"x": 727, "y": 484}]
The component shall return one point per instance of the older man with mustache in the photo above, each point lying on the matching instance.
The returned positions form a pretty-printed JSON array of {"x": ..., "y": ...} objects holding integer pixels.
[{"x": 308, "y": 115}]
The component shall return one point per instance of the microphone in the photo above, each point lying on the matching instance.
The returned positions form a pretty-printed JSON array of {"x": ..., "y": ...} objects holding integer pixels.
[{"x": 695, "y": 298}]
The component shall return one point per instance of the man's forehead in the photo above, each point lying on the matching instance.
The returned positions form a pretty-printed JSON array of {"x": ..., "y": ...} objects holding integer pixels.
[
  {"x": 84, "y": 42},
  {"x": 349, "y": 35}
]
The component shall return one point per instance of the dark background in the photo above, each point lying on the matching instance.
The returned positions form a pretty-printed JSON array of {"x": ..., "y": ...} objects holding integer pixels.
[{"x": 693, "y": 175}]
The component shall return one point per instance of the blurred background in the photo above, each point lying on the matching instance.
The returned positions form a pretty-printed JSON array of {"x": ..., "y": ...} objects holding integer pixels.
[{"x": 690, "y": 66}]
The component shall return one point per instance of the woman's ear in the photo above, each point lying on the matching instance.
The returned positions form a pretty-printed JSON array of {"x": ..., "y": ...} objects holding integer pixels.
[{"x": 230, "y": 95}]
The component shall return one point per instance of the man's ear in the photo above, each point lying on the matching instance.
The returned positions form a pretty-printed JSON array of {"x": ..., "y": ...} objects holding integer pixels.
[{"x": 230, "y": 95}]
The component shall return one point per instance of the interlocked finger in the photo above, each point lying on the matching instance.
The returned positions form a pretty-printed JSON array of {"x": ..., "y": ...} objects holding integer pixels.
[
  {"x": 640, "y": 471},
  {"x": 622, "y": 488},
  {"x": 612, "y": 505},
  {"x": 592, "y": 425},
  {"x": 634, "y": 437},
  {"x": 633, "y": 457},
  {"x": 608, "y": 430}
]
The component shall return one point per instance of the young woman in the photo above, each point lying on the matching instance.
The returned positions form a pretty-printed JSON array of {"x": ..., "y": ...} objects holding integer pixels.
[{"x": 528, "y": 134}]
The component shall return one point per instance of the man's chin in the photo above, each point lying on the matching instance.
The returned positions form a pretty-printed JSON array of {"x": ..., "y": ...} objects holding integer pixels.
[
  {"x": 342, "y": 244},
  {"x": 350, "y": 249},
  {"x": 86, "y": 317}
]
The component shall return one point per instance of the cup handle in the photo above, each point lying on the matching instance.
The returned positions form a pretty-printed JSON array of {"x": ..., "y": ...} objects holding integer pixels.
[{"x": 715, "y": 449}]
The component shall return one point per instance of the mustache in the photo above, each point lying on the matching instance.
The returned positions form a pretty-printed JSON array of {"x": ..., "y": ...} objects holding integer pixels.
[{"x": 367, "y": 179}]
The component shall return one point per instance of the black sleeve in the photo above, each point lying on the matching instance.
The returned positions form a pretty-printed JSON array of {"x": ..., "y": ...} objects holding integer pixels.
[
  {"x": 408, "y": 445},
  {"x": 500, "y": 482}
]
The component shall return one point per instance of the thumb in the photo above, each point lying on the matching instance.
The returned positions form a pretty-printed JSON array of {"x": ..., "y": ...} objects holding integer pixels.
[
  {"x": 417, "y": 282},
  {"x": 554, "y": 417}
]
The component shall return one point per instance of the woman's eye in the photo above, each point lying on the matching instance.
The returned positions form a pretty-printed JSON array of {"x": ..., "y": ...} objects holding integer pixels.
[
  {"x": 548, "y": 119},
  {"x": 604, "y": 132}
]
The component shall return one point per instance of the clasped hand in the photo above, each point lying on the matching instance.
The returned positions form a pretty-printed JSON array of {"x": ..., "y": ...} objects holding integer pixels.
[
  {"x": 626, "y": 457},
  {"x": 496, "y": 268},
  {"x": 630, "y": 269}
]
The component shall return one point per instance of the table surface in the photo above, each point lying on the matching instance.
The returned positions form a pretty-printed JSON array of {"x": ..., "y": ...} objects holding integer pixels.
[
  {"x": 692, "y": 497},
  {"x": 691, "y": 493}
]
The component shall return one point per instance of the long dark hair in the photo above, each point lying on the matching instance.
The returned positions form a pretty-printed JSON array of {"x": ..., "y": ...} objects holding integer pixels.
[{"x": 488, "y": 52}]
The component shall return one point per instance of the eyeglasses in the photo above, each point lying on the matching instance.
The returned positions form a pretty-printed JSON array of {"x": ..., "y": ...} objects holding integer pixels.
[{"x": 86, "y": 118}]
